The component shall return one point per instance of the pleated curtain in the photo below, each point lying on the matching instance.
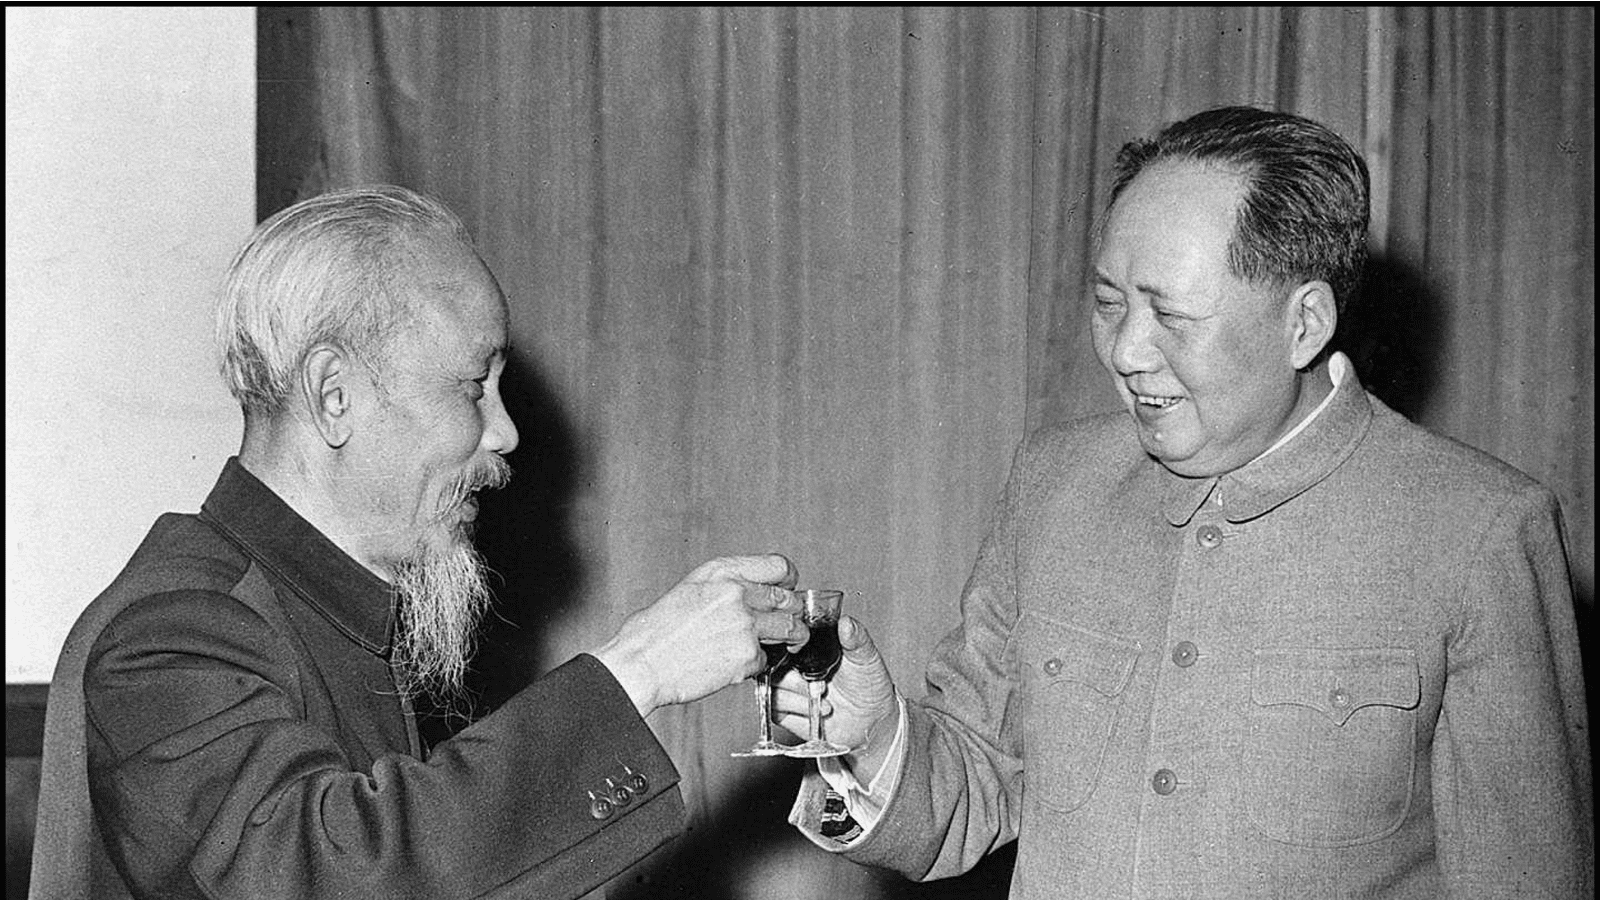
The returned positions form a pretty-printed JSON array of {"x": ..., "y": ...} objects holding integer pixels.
[{"x": 799, "y": 279}]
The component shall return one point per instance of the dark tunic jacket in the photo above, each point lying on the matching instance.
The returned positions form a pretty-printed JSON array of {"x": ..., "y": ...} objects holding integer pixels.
[{"x": 228, "y": 706}]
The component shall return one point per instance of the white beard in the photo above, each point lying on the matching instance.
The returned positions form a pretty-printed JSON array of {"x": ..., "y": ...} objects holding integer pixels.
[
  {"x": 442, "y": 598},
  {"x": 443, "y": 594}
]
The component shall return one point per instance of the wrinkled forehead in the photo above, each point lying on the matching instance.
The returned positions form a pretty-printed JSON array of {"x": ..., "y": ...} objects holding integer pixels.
[{"x": 449, "y": 286}]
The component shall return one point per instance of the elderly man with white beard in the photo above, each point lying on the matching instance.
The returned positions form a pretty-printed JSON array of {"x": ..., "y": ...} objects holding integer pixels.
[{"x": 233, "y": 717}]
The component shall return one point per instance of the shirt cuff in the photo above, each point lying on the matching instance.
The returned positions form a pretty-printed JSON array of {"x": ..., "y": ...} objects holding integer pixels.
[{"x": 865, "y": 804}]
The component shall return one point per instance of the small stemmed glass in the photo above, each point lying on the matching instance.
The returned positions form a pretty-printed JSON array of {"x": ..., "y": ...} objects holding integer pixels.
[
  {"x": 777, "y": 655},
  {"x": 815, "y": 662}
]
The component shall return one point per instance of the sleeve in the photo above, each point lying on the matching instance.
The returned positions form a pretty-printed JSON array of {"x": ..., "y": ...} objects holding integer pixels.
[
  {"x": 958, "y": 791},
  {"x": 1511, "y": 776},
  {"x": 208, "y": 780},
  {"x": 851, "y": 809}
]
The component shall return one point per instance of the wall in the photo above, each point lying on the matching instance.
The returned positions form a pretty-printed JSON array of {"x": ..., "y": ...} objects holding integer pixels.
[{"x": 130, "y": 162}]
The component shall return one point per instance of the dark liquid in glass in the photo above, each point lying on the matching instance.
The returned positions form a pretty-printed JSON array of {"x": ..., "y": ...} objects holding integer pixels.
[
  {"x": 776, "y": 654},
  {"x": 820, "y": 656}
]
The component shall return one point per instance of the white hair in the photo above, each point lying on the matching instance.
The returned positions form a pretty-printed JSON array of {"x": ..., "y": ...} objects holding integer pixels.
[{"x": 316, "y": 273}]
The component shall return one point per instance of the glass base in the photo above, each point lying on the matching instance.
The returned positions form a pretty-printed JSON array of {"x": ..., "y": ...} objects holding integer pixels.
[
  {"x": 815, "y": 750},
  {"x": 762, "y": 748}
]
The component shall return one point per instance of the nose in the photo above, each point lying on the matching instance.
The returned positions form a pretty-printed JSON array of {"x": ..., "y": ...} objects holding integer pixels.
[
  {"x": 1132, "y": 350},
  {"x": 499, "y": 431}
]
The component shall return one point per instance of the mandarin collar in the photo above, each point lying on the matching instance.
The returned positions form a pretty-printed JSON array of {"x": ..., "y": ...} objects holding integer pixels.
[
  {"x": 341, "y": 590},
  {"x": 1270, "y": 481}
]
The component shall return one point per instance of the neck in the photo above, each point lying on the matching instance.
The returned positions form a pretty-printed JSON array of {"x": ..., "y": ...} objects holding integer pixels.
[
  {"x": 303, "y": 480},
  {"x": 1315, "y": 385}
]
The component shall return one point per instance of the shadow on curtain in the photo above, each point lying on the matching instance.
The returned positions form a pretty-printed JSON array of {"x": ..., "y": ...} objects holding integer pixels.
[{"x": 798, "y": 279}]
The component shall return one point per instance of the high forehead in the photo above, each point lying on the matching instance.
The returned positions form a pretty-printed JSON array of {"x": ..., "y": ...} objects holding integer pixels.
[
  {"x": 449, "y": 285},
  {"x": 1175, "y": 206}
]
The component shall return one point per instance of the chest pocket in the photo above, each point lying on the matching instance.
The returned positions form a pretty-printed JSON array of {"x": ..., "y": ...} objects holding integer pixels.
[
  {"x": 1331, "y": 759},
  {"x": 1073, "y": 682}
]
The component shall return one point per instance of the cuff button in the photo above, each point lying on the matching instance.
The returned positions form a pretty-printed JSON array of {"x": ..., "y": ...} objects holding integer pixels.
[{"x": 635, "y": 781}]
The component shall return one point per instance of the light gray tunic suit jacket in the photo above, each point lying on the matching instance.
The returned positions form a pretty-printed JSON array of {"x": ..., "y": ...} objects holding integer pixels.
[{"x": 1349, "y": 669}]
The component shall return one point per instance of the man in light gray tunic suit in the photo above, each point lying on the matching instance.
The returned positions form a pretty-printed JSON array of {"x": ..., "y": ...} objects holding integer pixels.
[{"x": 1258, "y": 636}]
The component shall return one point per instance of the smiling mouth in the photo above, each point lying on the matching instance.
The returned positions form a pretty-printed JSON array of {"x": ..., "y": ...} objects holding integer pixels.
[{"x": 1153, "y": 402}]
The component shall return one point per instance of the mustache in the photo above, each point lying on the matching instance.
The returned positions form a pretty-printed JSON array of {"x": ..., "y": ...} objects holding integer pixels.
[{"x": 493, "y": 474}]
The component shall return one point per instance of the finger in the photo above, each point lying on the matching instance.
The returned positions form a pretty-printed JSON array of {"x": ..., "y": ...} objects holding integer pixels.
[
  {"x": 795, "y": 708},
  {"x": 790, "y": 576},
  {"x": 771, "y": 568},
  {"x": 793, "y": 702},
  {"x": 852, "y": 634},
  {"x": 776, "y": 628},
  {"x": 855, "y": 640},
  {"x": 791, "y": 682},
  {"x": 770, "y": 597}
]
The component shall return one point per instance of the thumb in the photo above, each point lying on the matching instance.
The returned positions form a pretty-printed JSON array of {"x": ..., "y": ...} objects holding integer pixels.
[{"x": 855, "y": 640}]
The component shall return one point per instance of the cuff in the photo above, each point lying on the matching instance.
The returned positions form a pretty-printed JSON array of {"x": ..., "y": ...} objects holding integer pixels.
[{"x": 847, "y": 810}]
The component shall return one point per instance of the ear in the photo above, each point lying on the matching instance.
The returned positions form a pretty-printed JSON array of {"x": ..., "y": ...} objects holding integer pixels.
[
  {"x": 327, "y": 395},
  {"x": 1313, "y": 317}
]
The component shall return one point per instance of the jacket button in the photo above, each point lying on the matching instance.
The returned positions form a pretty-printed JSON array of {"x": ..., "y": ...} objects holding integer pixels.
[
  {"x": 620, "y": 794},
  {"x": 1052, "y": 667},
  {"x": 1185, "y": 654},
  {"x": 1164, "y": 782},
  {"x": 1340, "y": 698},
  {"x": 635, "y": 782},
  {"x": 599, "y": 807},
  {"x": 1209, "y": 537}
]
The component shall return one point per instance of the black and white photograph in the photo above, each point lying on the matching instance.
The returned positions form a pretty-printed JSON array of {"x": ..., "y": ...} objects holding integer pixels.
[{"x": 802, "y": 452}]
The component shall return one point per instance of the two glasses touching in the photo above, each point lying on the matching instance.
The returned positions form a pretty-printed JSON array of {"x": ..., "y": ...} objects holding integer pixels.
[{"x": 816, "y": 661}]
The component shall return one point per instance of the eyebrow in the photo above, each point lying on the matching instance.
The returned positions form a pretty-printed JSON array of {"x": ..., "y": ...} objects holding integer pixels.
[{"x": 1101, "y": 278}]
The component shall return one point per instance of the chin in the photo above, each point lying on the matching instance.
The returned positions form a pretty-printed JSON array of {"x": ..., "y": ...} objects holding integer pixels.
[
  {"x": 1176, "y": 463},
  {"x": 444, "y": 540},
  {"x": 1185, "y": 470}
]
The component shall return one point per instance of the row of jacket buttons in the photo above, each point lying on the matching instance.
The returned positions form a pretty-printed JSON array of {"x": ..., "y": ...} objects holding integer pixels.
[
  {"x": 619, "y": 790},
  {"x": 1184, "y": 655}
]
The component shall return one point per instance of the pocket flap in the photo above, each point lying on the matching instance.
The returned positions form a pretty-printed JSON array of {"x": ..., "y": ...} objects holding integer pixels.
[
  {"x": 1336, "y": 683},
  {"x": 1063, "y": 652}
]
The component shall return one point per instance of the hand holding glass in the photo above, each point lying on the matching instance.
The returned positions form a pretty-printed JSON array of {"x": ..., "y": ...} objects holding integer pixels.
[{"x": 815, "y": 662}]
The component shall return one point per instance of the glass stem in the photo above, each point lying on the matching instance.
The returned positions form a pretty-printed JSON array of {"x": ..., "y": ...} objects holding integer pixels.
[
  {"x": 813, "y": 692},
  {"x": 764, "y": 693}
]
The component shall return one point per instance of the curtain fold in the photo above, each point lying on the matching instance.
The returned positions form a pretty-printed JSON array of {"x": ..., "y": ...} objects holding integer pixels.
[{"x": 799, "y": 279}]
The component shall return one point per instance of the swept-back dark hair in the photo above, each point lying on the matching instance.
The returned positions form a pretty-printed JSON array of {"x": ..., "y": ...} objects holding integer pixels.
[{"x": 1305, "y": 209}]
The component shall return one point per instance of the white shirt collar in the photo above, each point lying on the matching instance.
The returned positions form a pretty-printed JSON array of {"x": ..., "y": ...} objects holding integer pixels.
[{"x": 1338, "y": 366}]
